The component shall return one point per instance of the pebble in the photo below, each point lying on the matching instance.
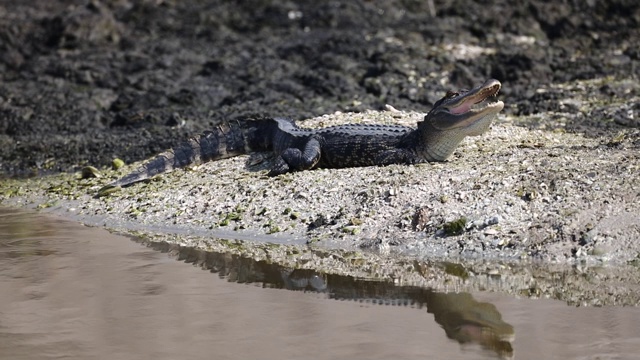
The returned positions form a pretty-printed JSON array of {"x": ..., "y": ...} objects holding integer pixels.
[
  {"x": 494, "y": 220},
  {"x": 491, "y": 232}
]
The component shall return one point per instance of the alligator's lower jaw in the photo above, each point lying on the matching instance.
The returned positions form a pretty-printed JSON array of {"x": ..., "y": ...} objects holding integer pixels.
[
  {"x": 477, "y": 113},
  {"x": 493, "y": 106}
]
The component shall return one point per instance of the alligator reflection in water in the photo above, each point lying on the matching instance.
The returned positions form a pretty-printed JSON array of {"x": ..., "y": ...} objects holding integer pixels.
[{"x": 462, "y": 317}]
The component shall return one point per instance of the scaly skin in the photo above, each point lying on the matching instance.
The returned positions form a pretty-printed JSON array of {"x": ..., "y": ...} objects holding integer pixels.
[{"x": 452, "y": 118}]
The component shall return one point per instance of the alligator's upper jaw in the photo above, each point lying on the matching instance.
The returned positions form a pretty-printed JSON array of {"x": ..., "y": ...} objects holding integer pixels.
[{"x": 467, "y": 108}]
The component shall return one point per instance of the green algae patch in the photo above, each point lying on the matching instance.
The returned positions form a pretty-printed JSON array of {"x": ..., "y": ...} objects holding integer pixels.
[
  {"x": 455, "y": 227},
  {"x": 233, "y": 216},
  {"x": 8, "y": 192},
  {"x": 47, "y": 204},
  {"x": 351, "y": 229}
]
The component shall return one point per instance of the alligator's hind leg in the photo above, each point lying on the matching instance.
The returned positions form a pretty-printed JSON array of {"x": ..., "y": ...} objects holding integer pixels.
[{"x": 292, "y": 159}]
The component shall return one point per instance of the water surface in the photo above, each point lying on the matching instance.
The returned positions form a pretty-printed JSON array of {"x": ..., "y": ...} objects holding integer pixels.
[{"x": 72, "y": 292}]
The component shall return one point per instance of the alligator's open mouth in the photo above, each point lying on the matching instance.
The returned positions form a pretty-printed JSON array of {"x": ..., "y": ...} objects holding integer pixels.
[
  {"x": 480, "y": 100},
  {"x": 473, "y": 109}
]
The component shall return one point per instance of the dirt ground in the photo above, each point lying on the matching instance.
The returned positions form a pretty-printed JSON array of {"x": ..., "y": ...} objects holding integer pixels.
[
  {"x": 555, "y": 180},
  {"x": 82, "y": 82}
]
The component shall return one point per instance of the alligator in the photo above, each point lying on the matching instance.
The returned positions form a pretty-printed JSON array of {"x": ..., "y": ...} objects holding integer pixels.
[{"x": 452, "y": 118}]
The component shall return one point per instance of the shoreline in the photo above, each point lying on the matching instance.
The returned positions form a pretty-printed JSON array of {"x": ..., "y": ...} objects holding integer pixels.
[{"x": 527, "y": 198}]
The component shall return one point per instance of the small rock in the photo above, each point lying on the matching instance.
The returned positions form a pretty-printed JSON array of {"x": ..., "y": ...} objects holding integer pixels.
[
  {"x": 90, "y": 172},
  {"x": 117, "y": 163},
  {"x": 588, "y": 237},
  {"x": 491, "y": 232},
  {"x": 478, "y": 224},
  {"x": 302, "y": 195},
  {"x": 420, "y": 219},
  {"x": 599, "y": 250},
  {"x": 494, "y": 220}
]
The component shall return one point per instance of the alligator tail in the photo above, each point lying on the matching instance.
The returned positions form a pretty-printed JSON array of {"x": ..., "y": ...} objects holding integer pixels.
[{"x": 225, "y": 141}]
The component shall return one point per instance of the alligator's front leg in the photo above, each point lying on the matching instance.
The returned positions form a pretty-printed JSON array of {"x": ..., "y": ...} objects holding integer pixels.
[
  {"x": 396, "y": 156},
  {"x": 292, "y": 159}
]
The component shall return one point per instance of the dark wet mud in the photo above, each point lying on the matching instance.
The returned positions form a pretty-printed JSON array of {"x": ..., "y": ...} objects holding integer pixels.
[{"x": 83, "y": 82}]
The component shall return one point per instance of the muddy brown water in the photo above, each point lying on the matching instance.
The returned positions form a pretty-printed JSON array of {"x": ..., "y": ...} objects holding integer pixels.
[{"x": 73, "y": 292}]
